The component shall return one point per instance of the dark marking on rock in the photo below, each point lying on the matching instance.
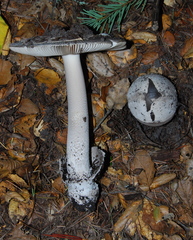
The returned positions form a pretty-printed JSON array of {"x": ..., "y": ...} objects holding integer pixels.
[
  {"x": 84, "y": 119},
  {"x": 152, "y": 115},
  {"x": 151, "y": 95}
]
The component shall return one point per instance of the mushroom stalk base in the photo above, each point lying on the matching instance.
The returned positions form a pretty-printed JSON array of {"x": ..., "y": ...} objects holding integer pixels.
[{"x": 82, "y": 189}]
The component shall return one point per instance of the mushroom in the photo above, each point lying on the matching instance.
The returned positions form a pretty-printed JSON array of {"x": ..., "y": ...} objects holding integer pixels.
[
  {"x": 152, "y": 99},
  {"x": 83, "y": 162}
]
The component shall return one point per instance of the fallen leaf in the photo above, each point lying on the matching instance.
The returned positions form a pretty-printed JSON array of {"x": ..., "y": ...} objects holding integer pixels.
[
  {"x": 98, "y": 106},
  {"x": 18, "y": 180},
  {"x": 7, "y": 165},
  {"x": 169, "y": 38},
  {"x": 11, "y": 97},
  {"x": 101, "y": 64},
  {"x": 187, "y": 48},
  {"x": 28, "y": 107},
  {"x": 58, "y": 184},
  {"x": 166, "y": 22},
  {"x": 185, "y": 192},
  {"x": 3, "y": 32},
  {"x": 130, "y": 213},
  {"x": 22, "y": 125},
  {"x": 122, "y": 200},
  {"x": 143, "y": 162},
  {"x": 25, "y": 60},
  {"x": 5, "y": 71},
  {"x": 162, "y": 179},
  {"x": 149, "y": 57},
  {"x": 18, "y": 234},
  {"x": 47, "y": 76},
  {"x": 117, "y": 94},
  {"x": 27, "y": 30},
  {"x": 20, "y": 205},
  {"x": 57, "y": 65},
  {"x": 61, "y": 136},
  {"x": 141, "y": 37},
  {"x": 122, "y": 58}
]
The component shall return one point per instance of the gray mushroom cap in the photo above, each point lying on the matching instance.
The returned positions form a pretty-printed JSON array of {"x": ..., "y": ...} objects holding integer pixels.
[
  {"x": 152, "y": 99},
  {"x": 51, "y": 47}
]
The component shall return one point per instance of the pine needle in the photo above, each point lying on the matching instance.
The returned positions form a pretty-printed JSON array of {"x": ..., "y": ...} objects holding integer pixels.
[{"x": 111, "y": 13}]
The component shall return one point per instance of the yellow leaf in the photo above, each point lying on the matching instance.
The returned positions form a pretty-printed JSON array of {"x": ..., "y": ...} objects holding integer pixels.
[
  {"x": 47, "y": 76},
  {"x": 3, "y": 32}
]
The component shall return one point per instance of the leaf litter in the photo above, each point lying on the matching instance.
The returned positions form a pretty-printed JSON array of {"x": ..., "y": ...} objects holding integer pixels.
[{"x": 146, "y": 185}]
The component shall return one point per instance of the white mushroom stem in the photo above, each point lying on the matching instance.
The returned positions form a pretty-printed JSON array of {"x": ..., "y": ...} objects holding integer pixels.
[{"x": 78, "y": 164}]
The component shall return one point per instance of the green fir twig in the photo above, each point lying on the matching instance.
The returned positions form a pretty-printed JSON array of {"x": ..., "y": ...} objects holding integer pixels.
[{"x": 113, "y": 12}]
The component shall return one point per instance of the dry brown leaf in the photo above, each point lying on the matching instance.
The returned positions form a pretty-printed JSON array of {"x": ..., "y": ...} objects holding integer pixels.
[
  {"x": 122, "y": 58},
  {"x": 117, "y": 94},
  {"x": 57, "y": 65},
  {"x": 14, "y": 195},
  {"x": 169, "y": 38},
  {"x": 114, "y": 202},
  {"x": 25, "y": 60},
  {"x": 149, "y": 57},
  {"x": 18, "y": 234},
  {"x": 141, "y": 37},
  {"x": 59, "y": 185},
  {"x": 114, "y": 172},
  {"x": 185, "y": 192},
  {"x": 28, "y": 107},
  {"x": 106, "y": 181},
  {"x": 166, "y": 22},
  {"x": 20, "y": 205},
  {"x": 162, "y": 179},
  {"x": 189, "y": 54},
  {"x": 5, "y": 186},
  {"x": 151, "y": 221},
  {"x": 18, "y": 147},
  {"x": 101, "y": 64},
  {"x": 9, "y": 165},
  {"x": 189, "y": 10},
  {"x": 18, "y": 180},
  {"x": 27, "y": 30},
  {"x": 144, "y": 165},
  {"x": 122, "y": 200},
  {"x": 145, "y": 230},
  {"x": 130, "y": 213},
  {"x": 5, "y": 71},
  {"x": 61, "y": 136},
  {"x": 98, "y": 106},
  {"x": 22, "y": 125},
  {"x": 13, "y": 99},
  {"x": 187, "y": 48}
]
